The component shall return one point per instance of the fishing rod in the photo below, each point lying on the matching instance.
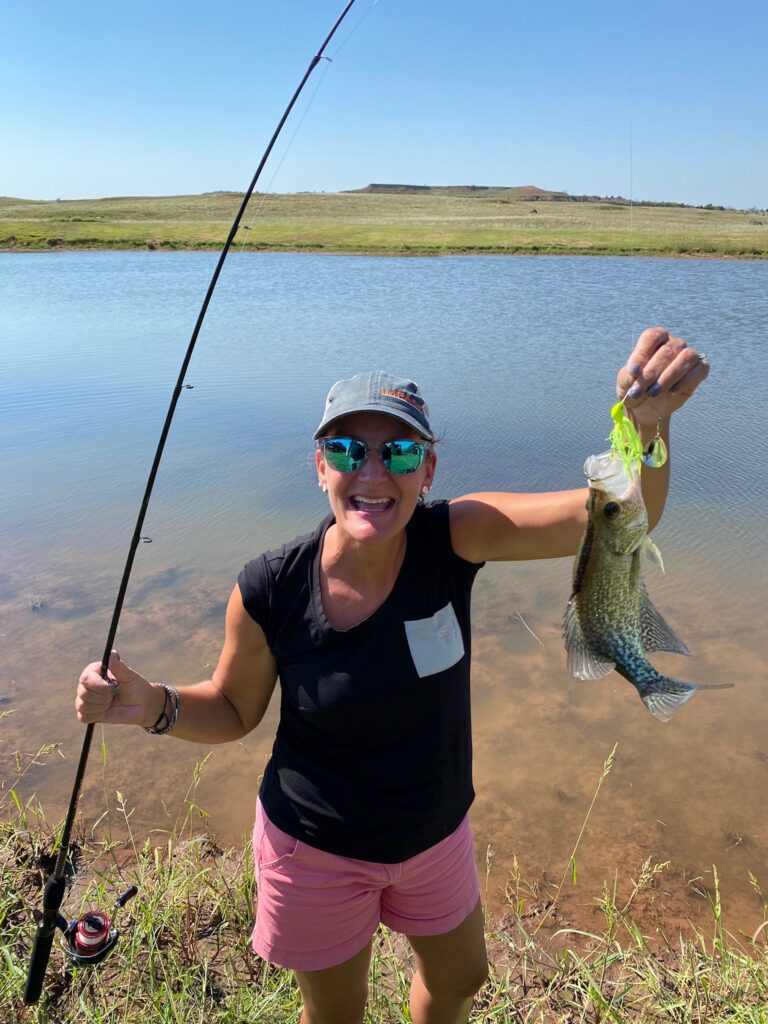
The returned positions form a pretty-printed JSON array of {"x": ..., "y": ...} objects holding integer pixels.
[{"x": 91, "y": 938}]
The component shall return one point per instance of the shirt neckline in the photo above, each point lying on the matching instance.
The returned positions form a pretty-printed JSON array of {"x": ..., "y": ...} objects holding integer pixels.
[{"x": 317, "y": 596}]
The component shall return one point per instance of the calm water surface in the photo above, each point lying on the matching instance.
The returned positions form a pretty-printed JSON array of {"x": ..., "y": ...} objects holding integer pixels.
[{"x": 517, "y": 357}]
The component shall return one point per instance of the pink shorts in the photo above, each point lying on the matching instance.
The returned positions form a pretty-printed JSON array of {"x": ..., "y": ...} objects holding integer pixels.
[{"x": 316, "y": 910}]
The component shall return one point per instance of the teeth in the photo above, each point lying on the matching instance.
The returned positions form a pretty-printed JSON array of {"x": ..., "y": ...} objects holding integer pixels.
[{"x": 371, "y": 501}]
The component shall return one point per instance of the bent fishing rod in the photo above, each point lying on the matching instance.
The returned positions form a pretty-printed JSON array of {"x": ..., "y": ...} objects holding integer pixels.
[{"x": 78, "y": 935}]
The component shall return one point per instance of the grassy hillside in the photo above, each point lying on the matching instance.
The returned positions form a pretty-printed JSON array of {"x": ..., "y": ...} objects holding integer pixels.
[{"x": 387, "y": 220}]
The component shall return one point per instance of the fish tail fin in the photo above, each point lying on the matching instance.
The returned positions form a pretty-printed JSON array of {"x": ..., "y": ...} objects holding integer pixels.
[{"x": 666, "y": 696}]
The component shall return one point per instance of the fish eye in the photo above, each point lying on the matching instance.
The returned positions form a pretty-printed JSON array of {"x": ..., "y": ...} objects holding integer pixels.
[{"x": 611, "y": 509}]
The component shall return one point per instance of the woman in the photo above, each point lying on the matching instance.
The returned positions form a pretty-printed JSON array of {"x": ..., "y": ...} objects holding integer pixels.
[{"x": 362, "y": 814}]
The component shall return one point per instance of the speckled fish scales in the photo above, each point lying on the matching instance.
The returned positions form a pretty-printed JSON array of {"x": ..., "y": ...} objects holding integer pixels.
[{"x": 610, "y": 622}]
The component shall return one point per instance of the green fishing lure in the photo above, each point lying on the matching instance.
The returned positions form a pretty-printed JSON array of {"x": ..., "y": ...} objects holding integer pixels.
[
  {"x": 626, "y": 444},
  {"x": 625, "y": 441}
]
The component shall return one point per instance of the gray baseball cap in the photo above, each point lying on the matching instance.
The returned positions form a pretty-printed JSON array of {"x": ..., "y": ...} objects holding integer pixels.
[{"x": 377, "y": 391}]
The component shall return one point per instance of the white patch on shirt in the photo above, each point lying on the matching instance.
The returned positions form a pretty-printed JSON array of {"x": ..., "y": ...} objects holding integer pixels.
[{"x": 435, "y": 643}]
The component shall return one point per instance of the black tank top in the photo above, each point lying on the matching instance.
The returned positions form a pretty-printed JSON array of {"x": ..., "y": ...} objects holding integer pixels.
[{"x": 373, "y": 753}]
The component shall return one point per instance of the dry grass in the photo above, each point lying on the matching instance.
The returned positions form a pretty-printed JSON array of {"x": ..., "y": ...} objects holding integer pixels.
[{"x": 184, "y": 954}]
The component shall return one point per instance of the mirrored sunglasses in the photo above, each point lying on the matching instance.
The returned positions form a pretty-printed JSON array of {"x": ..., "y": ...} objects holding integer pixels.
[{"x": 347, "y": 454}]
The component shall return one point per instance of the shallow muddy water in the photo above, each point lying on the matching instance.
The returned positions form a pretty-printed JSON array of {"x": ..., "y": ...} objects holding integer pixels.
[{"x": 517, "y": 357}]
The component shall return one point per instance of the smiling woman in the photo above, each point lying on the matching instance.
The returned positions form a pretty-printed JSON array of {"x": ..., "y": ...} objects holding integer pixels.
[
  {"x": 373, "y": 496},
  {"x": 374, "y": 479},
  {"x": 362, "y": 812}
]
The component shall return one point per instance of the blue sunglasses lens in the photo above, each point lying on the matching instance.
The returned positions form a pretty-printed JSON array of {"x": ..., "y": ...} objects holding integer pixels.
[
  {"x": 344, "y": 454},
  {"x": 402, "y": 457},
  {"x": 347, "y": 455}
]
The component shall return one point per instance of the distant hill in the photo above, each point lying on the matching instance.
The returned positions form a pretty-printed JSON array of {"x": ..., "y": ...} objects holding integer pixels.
[
  {"x": 486, "y": 191},
  {"x": 493, "y": 193},
  {"x": 507, "y": 193}
]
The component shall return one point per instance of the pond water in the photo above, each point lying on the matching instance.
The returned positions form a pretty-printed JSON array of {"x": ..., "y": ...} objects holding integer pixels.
[{"x": 517, "y": 357}]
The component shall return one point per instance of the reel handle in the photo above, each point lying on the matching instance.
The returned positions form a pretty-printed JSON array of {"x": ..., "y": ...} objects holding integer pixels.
[{"x": 127, "y": 895}]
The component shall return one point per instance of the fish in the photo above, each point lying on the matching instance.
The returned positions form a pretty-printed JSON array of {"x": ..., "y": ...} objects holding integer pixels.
[{"x": 610, "y": 623}]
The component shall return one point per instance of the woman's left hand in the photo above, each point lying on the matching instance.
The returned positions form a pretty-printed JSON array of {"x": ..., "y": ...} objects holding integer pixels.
[{"x": 661, "y": 375}]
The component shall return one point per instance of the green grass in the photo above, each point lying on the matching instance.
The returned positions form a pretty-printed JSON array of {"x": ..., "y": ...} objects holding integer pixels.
[{"x": 429, "y": 223}]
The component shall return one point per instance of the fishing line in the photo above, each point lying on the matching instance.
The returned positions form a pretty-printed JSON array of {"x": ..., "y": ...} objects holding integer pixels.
[
  {"x": 49, "y": 919},
  {"x": 631, "y": 171},
  {"x": 353, "y": 30},
  {"x": 624, "y": 438},
  {"x": 268, "y": 190},
  {"x": 329, "y": 60}
]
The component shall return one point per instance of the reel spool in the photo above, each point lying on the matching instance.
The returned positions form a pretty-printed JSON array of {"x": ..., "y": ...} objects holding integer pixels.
[
  {"x": 89, "y": 939},
  {"x": 92, "y": 937}
]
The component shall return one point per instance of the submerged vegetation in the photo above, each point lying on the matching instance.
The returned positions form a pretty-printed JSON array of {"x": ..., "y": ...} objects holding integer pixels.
[
  {"x": 387, "y": 220},
  {"x": 184, "y": 953}
]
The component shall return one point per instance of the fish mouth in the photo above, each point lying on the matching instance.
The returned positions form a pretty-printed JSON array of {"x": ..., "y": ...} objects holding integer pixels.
[{"x": 608, "y": 474}]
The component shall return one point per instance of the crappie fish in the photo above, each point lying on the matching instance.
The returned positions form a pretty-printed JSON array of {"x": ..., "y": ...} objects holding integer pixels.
[{"x": 610, "y": 622}]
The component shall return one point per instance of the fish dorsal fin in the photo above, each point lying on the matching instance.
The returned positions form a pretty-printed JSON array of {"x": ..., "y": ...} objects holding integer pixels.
[
  {"x": 652, "y": 553},
  {"x": 655, "y": 634},
  {"x": 583, "y": 663}
]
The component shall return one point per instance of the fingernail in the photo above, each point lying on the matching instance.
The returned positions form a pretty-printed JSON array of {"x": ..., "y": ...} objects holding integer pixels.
[
  {"x": 635, "y": 391},
  {"x": 634, "y": 368},
  {"x": 654, "y": 389}
]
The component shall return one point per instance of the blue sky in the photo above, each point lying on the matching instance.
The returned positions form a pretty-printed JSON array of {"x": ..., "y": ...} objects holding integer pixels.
[{"x": 661, "y": 100}]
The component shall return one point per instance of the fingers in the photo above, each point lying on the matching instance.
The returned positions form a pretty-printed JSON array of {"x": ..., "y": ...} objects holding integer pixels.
[
  {"x": 654, "y": 350},
  {"x": 649, "y": 342},
  {"x": 685, "y": 375},
  {"x": 96, "y": 695},
  {"x": 119, "y": 671},
  {"x": 123, "y": 698},
  {"x": 91, "y": 678},
  {"x": 661, "y": 364}
]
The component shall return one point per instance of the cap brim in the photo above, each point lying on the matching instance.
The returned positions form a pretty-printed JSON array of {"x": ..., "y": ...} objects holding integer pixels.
[{"x": 408, "y": 421}]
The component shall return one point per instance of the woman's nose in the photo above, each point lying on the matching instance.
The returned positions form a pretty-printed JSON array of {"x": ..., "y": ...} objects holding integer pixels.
[{"x": 373, "y": 467}]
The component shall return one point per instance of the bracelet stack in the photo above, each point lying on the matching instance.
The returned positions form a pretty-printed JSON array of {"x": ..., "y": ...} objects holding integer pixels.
[{"x": 165, "y": 721}]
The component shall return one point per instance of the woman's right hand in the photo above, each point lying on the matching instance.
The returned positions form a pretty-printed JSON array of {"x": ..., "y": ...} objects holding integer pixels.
[{"x": 127, "y": 699}]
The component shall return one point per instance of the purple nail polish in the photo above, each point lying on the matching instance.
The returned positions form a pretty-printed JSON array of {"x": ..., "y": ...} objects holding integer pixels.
[
  {"x": 654, "y": 389},
  {"x": 635, "y": 391},
  {"x": 634, "y": 368}
]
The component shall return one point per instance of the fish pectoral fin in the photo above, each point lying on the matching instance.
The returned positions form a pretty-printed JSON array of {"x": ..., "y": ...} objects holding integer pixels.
[
  {"x": 652, "y": 553},
  {"x": 583, "y": 662},
  {"x": 655, "y": 633},
  {"x": 666, "y": 696}
]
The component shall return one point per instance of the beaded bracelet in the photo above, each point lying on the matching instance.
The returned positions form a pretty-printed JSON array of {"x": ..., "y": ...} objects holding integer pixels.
[{"x": 164, "y": 723}]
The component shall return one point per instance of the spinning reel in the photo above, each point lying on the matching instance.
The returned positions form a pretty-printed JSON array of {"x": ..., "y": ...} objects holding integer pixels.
[{"x": 91, "y": 938}]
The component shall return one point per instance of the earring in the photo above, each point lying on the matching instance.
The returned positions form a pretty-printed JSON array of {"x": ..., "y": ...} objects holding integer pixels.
[
  {"x": 322, "y": 486},
  {"x": 425, "y": 489}
]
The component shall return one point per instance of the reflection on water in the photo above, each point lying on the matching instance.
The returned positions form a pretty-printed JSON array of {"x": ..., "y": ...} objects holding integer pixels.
[{"x": 517, "y": 358}]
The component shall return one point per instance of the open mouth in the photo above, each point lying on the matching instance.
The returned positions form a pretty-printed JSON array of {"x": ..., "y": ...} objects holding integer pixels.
[
  {"x": 362, "y": 504},
  {"x": 607, "y": 473}
]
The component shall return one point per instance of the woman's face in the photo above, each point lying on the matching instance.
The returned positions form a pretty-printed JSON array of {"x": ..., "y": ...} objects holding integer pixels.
[{"x": 372, "y": 505}]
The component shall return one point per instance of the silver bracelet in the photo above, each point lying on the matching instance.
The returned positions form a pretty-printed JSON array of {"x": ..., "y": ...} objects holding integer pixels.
[{"x": 165, "y": 723}]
